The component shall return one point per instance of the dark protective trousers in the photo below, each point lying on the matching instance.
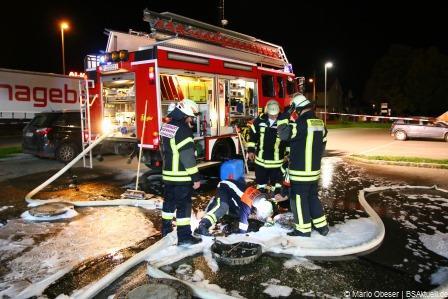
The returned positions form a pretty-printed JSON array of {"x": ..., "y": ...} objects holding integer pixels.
[
  {"x": 217, "y": 208},
  {"x": 271, "y": 176},
  {"x": 177, "y": 202},
  {"x": 306, "y": 207}
]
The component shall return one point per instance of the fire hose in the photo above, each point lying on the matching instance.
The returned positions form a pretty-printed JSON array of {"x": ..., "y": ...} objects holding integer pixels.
[{"x": 117, "y": 202}]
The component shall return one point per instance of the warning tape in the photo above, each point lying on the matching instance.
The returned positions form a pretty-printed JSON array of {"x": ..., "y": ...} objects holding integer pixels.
[{"x": 378, "y": 116}]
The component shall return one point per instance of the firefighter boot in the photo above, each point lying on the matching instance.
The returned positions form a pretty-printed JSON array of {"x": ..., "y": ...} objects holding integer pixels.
[
  {"x": 322, "y": 230},
  {"x": 167, "y": 227},
  {"x": 190, "y": 240},
  {"x": 202, "y": 229},
  {"x": 297, "y": 233}
]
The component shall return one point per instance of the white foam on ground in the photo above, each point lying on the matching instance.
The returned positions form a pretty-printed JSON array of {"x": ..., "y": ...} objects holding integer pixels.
[
  {"x": 210, "y": 286},
  {"x": 9, "y": 247},
  {"x": 439, "y": 277},
  {"x": 16, "y": 236},
  {"x": 418, "y": 278},
  {"x": 437, "y": 243},
  {"x": 70, "y": 213},
  {"x": 100, "y": 232},
  {"x": 275, "y": 290},
  {"x": 342, "y": 236},
  {"x": 185, "y": 273},
  {"x": 198, "y": 275},
  {"x": 274, "y": 239},
  {"x": 236, "y": 294},
  {"x": 211, "y": 262},
  {"x": 301, "y": 262}
]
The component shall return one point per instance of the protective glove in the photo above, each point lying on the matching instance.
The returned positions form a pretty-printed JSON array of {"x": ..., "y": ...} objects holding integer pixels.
[{"x": 294, "y": 116}]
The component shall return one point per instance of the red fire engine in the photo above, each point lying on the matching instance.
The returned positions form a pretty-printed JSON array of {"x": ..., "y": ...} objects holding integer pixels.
[{"x": 230, "y": 75}]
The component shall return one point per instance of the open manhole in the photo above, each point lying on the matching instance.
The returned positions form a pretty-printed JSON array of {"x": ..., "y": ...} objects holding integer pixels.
[
  {"x": 159, "y": 288},
  {"x": 241, "y": 253}
]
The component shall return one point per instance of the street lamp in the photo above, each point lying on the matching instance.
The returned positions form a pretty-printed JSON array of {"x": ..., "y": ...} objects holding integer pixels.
[
  {"x": 313, "y": 81},
  {"x": 63, "y": 26},
  {"x": 328, "y": 65}
]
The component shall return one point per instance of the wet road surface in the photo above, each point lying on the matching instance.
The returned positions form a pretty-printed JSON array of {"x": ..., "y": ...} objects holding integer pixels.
[{"x": 100, "y": 238}]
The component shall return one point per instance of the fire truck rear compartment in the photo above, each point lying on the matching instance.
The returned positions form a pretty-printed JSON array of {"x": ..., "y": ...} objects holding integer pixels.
[{"x": 119, "y": 105}]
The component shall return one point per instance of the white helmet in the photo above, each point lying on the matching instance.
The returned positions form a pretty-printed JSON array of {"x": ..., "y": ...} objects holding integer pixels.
[
  {"x": 272, "y": 107},
  {"x": 171, "y": 108},
  {"x": 263, "y": 208},
  {"x": 300, "y": 101},
  {"x": 188, "y": 107}
]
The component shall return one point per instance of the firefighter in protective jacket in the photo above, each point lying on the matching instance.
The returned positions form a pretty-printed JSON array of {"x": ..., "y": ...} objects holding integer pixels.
[
  {"x": 307, "y": 136},
  {"x": 266, "y": 148},
  {"x": 180, "y": 173}
]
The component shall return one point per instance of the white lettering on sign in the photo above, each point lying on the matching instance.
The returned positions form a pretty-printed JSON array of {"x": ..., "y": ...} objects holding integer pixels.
[
  {"x": 76, "y": 74},
  {"x": 109, "y": 67},
  {"x": 168, "y": 130}
]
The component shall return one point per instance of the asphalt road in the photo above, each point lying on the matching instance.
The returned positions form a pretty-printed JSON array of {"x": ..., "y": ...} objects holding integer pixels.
[{"x": 378, "y": 142}]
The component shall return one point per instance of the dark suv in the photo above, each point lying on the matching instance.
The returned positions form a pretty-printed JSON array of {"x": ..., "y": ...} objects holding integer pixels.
[{"x": 54, "y": 135}]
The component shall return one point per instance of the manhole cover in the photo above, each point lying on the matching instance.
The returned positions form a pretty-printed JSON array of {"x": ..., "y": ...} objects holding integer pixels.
[
  {"x": 241, "y": 253},
  {"x": 162, "y": 288},
  {"x": 51, "y": 209},
  {"x": 152, "y": 291}
]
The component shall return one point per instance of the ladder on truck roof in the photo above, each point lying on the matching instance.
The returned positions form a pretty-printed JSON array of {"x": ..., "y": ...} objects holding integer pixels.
[
  {"x": 214, "y": 39},
  {"x": 85, "y": 102},
  {"x": 176, "y": 32}
]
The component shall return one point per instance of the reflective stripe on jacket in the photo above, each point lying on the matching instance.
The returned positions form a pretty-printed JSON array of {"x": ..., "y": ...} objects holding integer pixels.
[
  {"x": 265, "y": 143},
  {"x": 307, "y": 137},
  {"x": 179, "y": 161}
]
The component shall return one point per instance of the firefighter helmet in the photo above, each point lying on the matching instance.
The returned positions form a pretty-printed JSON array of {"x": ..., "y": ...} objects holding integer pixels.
[
  {"x": 170, "y": 108},
  {"x": 251, "y": 195},
  {"x": 188, "y": 107},
  {"x": 300, "y": 101},
  {"x": 272, "y": 107},
  {"x": 263, "y": 207}
]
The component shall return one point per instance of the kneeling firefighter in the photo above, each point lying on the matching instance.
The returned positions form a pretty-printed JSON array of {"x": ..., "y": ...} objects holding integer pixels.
[
  {"x": 180, "y": 173},
  {"x": 233, "y": 198},
  {"x": 307, "y": 136}
]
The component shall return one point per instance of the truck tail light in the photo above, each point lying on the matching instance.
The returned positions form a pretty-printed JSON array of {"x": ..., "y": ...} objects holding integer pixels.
[
  {"x": 86, "y": 136},
  {"x": 152, "y": 75},
  {"x": 43, "y": 131}
]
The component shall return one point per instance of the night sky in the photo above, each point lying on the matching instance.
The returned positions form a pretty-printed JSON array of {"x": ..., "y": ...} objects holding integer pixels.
[{"x": 352, "y": 34}]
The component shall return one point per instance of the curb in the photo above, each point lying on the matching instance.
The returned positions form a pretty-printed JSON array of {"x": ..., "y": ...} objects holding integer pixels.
[{"x": 399, "y": 163}]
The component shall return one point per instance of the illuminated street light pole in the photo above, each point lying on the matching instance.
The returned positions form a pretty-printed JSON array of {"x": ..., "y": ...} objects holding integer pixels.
[
  {"x": 313, "y": 80},
  {"x": 328, "y": 65},
  {"x": 64, "y": 26}
]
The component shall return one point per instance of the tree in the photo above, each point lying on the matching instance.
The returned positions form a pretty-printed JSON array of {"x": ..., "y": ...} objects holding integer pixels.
[{"x": 413, "y": 81}]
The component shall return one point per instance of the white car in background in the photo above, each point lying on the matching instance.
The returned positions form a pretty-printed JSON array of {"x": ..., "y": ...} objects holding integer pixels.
[{"x": 403, "y": 130}]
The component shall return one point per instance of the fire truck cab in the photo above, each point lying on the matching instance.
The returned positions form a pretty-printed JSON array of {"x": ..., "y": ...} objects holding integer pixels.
[{"x": 229, "y": 75}]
